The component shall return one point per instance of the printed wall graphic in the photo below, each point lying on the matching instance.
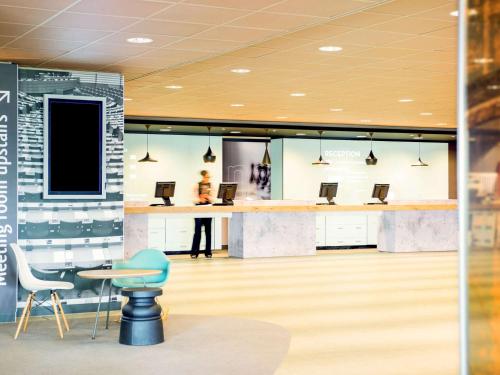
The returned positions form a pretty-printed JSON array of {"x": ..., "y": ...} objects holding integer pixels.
[
  {"x": 8, "y": 190},
  {"x": 68, "y": 235},
  {"x": 242, "y": 164}
]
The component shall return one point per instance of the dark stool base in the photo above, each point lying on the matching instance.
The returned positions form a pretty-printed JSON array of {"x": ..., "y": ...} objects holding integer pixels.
[
  {"x": 141, "y": 317},
  {"x": 141, "y": 333}
]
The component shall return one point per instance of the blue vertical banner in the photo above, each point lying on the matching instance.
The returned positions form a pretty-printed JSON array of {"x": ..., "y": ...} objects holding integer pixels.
[{"x": 8, "y": 191}]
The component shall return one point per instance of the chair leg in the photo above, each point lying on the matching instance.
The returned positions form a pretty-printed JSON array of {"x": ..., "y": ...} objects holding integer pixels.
[
  {"x": 28, "y": 314},
  {"x": 62, "y": 311},
  {"x": 54, "y": 306},
  {"x": 22, "y": 316}
]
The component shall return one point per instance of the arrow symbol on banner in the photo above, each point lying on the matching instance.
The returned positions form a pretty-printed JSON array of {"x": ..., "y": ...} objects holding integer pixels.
[{"x": 5, "y": 95}]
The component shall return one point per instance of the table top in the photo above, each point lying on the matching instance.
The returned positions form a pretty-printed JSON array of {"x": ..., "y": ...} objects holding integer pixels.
[
  {"x": 137, "y": 209},
  {"x": 117, "y": 274}
]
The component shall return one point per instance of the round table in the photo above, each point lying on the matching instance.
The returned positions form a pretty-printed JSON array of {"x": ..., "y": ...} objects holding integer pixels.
[{"x": 110, "y": 274}]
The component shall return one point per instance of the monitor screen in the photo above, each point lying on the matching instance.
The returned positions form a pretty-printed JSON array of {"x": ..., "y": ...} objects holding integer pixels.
[
  {"x": 165, "y": 189},
  {"x": 227, "y": 190},
  {"x": 328, "y": 189},
  {"x": 74, "y": 147},
  {"x": 380, "y": 191}
]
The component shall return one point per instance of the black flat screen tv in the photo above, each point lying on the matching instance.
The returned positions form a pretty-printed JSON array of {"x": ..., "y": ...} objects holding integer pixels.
[{"x": 74, "y": 147}]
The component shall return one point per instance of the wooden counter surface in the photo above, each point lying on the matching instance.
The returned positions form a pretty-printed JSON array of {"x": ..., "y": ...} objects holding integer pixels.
[{"x": 131, "y": 209}]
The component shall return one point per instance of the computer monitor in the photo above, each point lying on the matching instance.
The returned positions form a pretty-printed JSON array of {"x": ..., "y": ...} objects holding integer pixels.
[
  {"x": 328, "y": 190},
  {"x": 227, "y": 192},
  {"x": 380, "y": 191},
  {"x": 165, "y": 190}
]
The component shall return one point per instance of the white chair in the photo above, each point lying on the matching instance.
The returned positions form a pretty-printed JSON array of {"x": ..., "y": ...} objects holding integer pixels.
[{"x": 34, "y": 285}]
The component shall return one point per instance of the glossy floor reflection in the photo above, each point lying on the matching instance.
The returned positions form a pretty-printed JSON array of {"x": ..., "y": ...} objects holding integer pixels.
[{"x": 349, "y": 314}]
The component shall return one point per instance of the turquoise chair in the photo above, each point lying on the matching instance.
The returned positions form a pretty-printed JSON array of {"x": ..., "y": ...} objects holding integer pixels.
[{"x": 147, "y": 259}]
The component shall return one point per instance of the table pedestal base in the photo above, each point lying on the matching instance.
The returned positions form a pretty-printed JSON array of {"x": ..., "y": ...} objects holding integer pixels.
[{"x": 141, "y": 317}]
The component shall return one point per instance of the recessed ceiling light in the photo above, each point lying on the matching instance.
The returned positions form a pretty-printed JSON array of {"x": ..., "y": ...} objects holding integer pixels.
[
  {"x": 274, "y": 130},
  {"x": 412, "y": 135},
  {"x": 300, "y": 134},
  {"x": 336, "y": 109},
  {"x": 235, "y": 132},
  {"x": 241, "y": 70},
  {"x": 493, "y": 87},
  {"x": 418, "y": 137},
  {"x": 454, "y": 13},
  {"x": 297, "y": 94},
  {"x": 483, "y": 60},
  {"x": 472, "y": 12},
  {"x": 453, "y": 136},
  {"x": 165, "y": 130},
  {"x": 405, "y": 100},
  {"x": 425, "y": 113},
  {"x": 365, "y": 120},
  {"x": 169, "y": 127},
  {"x": 237, "y": 105},
  {"x": 330, "y": 49},
  {"x": 174, "y": 87},
  {"x": 223, "y": 129},
  {"x": 127, "y": 99},
  {"x": 361, "y": 136},
  {"x": 140, "y": 40}
]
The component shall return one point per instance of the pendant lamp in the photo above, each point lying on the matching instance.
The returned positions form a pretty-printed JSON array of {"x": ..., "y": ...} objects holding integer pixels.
[
  {"x": 420, "y": 162},
  {"x": 320, "y": 160},
  {"x": 371, "y": 159},
  {"x": 147, "y": 158},
  {"x": 266, "y": 160},
  {"x": 209, "y": 156}
]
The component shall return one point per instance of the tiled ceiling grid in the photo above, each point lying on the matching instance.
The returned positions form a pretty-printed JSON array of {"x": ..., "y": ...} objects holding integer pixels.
[{"x": 392, "y": 50}]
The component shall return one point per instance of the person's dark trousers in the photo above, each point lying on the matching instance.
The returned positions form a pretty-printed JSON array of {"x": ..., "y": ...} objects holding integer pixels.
[{"x": 198, "y": 223}]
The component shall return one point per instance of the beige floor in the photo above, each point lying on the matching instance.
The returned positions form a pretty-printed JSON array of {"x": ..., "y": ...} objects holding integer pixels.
[{"x": 362, "y": 313}]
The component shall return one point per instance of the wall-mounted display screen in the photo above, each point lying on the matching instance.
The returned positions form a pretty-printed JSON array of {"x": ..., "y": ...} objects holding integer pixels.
[{"x": 74, "y": 147}]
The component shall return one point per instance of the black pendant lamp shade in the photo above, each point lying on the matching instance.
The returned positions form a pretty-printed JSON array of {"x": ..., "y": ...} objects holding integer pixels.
[
  {"x": 371, "y": 159},
  {"x": 420, "y": 162},
  {"x": 320, "y": 160},
  {"x": 209, "y": 156},
  {"x": 266, "y": 160},
  {"x": 147, "y": 158}
]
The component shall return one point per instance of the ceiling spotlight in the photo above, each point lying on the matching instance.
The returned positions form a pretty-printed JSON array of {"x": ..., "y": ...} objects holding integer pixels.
[
  {"x": 405, "y": 100},
  {"x": 361, "y": 136},
  {"x": 140, "y": 40},
  {"x": 300, "y": 134},
  {"x": 483, "y": 60},
  {"x": 209, "y": 156},
  {"x": 240, "y": 70},
  {"x": 297, "y": 94},
  {"x": 330, "y": 49},
  {"x": 127, "y": 99},
  {"x": 237, "y": 105},
  {"x": 493, "y": 87},
  {"x": 454, "y": 13},
  {"x": 418, "y": 136},
  {"x": 174, "y": 87},
  {"x": 371, "y": 159},
  {"x": 165, "y": 130},
  {"x": 336, "y": 109},
  {"x": 425, "y": 113},
  {"x": 235, "y": 132}
]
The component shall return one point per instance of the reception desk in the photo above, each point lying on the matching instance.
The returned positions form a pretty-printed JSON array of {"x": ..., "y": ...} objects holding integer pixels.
[{"x": 288, "y": 228}]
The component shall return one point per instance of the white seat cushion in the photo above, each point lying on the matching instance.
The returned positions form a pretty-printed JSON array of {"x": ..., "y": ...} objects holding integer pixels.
[{"x": 50, "y": 285}]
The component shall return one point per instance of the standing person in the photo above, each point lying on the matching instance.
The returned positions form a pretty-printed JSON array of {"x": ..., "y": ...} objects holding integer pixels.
[{"x": 203, "y": 196}]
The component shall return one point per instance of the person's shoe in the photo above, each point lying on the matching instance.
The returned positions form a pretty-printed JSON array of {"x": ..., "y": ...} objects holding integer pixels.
[
  {"x": 208, "y": 255},
  {"x": 194, "y": 256}
]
